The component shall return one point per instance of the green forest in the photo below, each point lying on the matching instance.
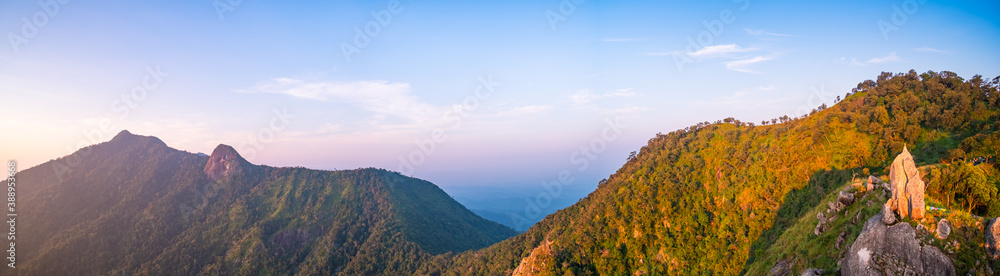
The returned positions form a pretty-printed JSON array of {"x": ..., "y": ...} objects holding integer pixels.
[
  {"x": 135, "y": 206},
  {"x": 709, "y": 198}
]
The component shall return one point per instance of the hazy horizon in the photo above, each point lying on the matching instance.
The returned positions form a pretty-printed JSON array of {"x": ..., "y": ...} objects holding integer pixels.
[{"x": 550, "y": 75}]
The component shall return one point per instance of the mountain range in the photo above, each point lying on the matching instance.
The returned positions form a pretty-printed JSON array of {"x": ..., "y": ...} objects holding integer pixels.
[
  {"x": 133, "y": 205},
  {"x": 707, "y": 199}
]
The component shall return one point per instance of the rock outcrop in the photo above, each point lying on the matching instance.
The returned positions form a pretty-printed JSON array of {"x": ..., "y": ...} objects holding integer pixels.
[
  {"x": 835, "y": 206},
  {"x": 907, "y": 187},
  {"x": 888, "y": 217},
  {"x": 821, "y": 224},
  {"x": 782, "y": 268},
  {"x": 535, "y": 263},
  {"x": 993, "y": 240},
  {"x": 893, "y": 250},
  {"x": 845, "y": 198},
  {"x": 224, "y": 161},
  {"x": 872, "y": 182},
  {"x": 812, "y": 272},
  {"x": 943, "y": 229}
]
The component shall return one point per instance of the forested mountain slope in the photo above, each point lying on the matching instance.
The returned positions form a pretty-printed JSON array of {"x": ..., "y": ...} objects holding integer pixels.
[
  {"x": 710, "y": 198},
  {"x": 135, "y": 206}
]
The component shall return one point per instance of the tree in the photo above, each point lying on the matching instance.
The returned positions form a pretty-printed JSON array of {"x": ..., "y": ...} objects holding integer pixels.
[
  {"x": 978, "y": 190},
  {"x": 955, "y": 154}
]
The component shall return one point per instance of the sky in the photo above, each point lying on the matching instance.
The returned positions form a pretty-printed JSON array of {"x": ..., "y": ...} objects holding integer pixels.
[{"x": 506, "y": 94}]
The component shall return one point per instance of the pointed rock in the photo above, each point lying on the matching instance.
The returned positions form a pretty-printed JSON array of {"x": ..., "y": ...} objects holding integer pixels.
[
  {"x": 224, "y": 161},
  {"x": 907, "y": 188}
]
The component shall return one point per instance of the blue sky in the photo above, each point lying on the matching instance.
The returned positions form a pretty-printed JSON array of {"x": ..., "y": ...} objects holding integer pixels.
[{"x": 561, "y": 71}]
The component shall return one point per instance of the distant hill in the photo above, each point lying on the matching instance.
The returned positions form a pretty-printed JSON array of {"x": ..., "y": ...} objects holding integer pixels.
[
  {"x": 133, "y": 205},
  {"x": 712, "y": 198}
]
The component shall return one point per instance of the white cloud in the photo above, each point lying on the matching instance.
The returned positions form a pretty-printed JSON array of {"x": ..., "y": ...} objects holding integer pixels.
[
  {"x": 891, "y": 57},
  {"x": 711, "y": 51},
  {"x": 626, "y": 110},
  {"x": 740, "y": 65},
  {"x": 592, "y": 102},
  {"x": 852, "y": 61},
  {"x": 383, "y": 98},
  {"x": 719, "y": 50},
  {"x": 760, "y": 32},
  {"x": 931, "y": 50}
]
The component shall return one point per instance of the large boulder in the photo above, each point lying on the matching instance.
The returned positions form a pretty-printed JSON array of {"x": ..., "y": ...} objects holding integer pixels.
[
  {"x": 934, "y": 262},
  {"x": 888, "y": 217},
  {"x": 893, "y": 250},
  {"x": 782, "y": 268},
  {"x": 812, "y": 272},
  {"x": 907, "y": 187},
  {"x": 993, "y": 239},
  {"x": 901, "y": 242},
  {"x": 943, "y": 229},
  {"x": 860, "y": 257},
  {"x": 845, "y": 198}
]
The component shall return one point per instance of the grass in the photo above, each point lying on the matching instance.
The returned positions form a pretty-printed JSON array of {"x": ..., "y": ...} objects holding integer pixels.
[
  {"x": 805, "y": 250},
  {"x": 965, "y": 243}
]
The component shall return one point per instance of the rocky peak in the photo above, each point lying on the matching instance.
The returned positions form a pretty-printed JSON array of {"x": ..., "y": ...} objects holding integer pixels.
[
  {"x": 224, "y": 161},
  {"x": 907, "y": 187}
]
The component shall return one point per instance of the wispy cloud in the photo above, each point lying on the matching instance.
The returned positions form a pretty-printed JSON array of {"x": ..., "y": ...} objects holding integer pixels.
[
  {"x": 622, "y": 39},
  {"x": 760, "y": 32},
  {"x": 711, "y": 51},
  {"x": 737, "y": 61},
  {"x": 584, "y": 97},
  {"x": 889, "y": 58},
  {"x": 587, "y": 100},
  {"x": 851, "y": 61},
  {"x": 931, "y": 50},
  {"x": 741, "y": 64},
  {"x": 719, "y": 50},
  {"x": 383, "y": 98}
]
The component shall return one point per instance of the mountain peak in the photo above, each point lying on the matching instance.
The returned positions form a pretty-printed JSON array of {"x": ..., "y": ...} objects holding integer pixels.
[
  {"x": 126, "y": 137},
  {"x": 124, "y": 133},
  {"x": 224, "y": 161}
]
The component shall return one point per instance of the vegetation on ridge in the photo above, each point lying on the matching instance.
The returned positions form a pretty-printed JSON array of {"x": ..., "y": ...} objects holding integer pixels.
[
  {"x": 708, "y": 199},
  {"x": 135, "y": 206}
]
